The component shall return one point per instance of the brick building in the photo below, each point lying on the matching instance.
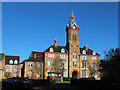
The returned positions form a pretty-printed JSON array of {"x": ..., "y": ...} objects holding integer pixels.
[
  {"x": 9, "y": 66},
  {"x": 71, "y": 60}
]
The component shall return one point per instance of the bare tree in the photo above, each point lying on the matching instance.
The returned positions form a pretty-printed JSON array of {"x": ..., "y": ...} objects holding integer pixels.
[
  {"x": 93, "y": 68},
  {"x": 7, "y": 74},
  {"x": 59, "y": 65}
]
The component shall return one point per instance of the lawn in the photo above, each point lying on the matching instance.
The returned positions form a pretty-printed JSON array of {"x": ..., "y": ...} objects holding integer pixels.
[{"x": 67, "y": 82}]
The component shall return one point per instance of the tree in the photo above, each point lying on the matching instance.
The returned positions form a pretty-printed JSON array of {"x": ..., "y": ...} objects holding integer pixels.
[
  {"x": 93, "y": 68},
  {"x": 7, "y": 74},
  {"x": 59, "y": 65},
  {"x": 111, "y": 65}
]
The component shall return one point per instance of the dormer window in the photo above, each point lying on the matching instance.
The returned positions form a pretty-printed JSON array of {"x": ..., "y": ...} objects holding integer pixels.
[
  {"x": 35, "y": 55},
  {"x": 11, "y": 62},
  {"x": 62, "y": 50},
  {"x": 15, "y": 62},
  {"x": 84, "y": 52},
  {"x": 51, "y": 49},
  {"x": 94, "y": 53}
]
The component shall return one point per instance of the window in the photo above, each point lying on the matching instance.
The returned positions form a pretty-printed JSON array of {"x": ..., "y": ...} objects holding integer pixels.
[
  {"x": 84, "y": 74},
  {"x": 50, "y": 55},
  {"x": 48, "y": 62},
  {"x": 51, "y": 49},
  {"x": 15, "y": 62},
  {"x": 94, "y": 53},
  {"x": 10, "y": 66},
  {"x": 6, "y": 70},
  {"x": 7, "y": 66},
  {"x": 53, "y": 62},
  {"x": 84, "y": 64},
  {"x": 94, "y": 58},
  {"x": 38, "y": 65},
  {"x": 15, "y": 70},
  {"x": 92, "y": 65},
  {"x": 84, "y": 57},
  {"x": 96, "y": 65},
  {"x": 11, "y": 62},
  {"x": 62, "y": 50},
  {"x": 30, "y": 64},
  {"x": 74, "y": 37},
  {"x": 84, "y": 52},
  {"x": 15, "y": 66},
  {"x": 38, "y": 74},
  {"x": 35, "y": 55},
  {"x": 10, "y": 70},
  {"x": 62, "y": 56},
  {"x": 14, "y": 75}
]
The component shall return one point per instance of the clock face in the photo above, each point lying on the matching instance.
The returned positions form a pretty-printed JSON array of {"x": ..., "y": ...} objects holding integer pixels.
[{"x": 73, "y": 27}]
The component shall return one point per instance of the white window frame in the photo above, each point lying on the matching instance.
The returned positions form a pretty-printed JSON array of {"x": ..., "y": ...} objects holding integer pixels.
[
  {"x": 15, "y": 62},
  {"x": 51, "y": 49},
  {"x": 84, "y": 52},
  {"x": 62, "y": 50},
  {"x": 11, "y": 61}
]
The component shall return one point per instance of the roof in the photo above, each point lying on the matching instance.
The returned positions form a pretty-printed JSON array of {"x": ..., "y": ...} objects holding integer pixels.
[
  {"x": 8, "y": 58},
  {"x": 56, "y": 49},
  {"x": 37, "y": 53},
  {"x": 32, "y": 59},
  {"x": 88, "y": 52},
  {"x": 1, "y": 56},
  {"x": 72, "y": 21}
]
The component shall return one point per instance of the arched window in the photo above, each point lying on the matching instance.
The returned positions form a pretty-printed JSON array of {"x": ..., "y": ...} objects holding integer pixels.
[
  {"x": 62, "y": 50},
  {"x": 94, "y": 53},
  {"x": 15, "y": 62},
  {"x": 84, "y": 52},
  {"x": 11, "y": 62},
  {"x": 74, "y": 59},
  {"x": 51, "y": 49}
]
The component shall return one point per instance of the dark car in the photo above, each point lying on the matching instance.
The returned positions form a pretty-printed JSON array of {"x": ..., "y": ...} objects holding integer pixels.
[{"x": 17, "y": 83}]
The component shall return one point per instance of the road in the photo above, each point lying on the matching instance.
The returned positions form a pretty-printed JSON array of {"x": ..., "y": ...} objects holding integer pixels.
[{"x": 59, "y": 87}]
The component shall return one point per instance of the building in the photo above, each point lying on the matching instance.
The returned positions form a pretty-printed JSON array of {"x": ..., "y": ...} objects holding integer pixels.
[
  {"x": 70, "y": 60},
  {"x": 32, "y": 67},
  {"x": 9, "y": 66}
]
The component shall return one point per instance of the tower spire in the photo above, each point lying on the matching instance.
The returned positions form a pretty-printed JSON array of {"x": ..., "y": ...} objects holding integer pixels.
[
  {"x": 72, "y": 16},
  {"x": 72, "y": 21}
]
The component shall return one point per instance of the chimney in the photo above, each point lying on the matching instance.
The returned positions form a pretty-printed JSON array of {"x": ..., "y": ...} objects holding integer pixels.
[
  {"x": 86, "y": 47},
  {"x": 55, "y": 42}
]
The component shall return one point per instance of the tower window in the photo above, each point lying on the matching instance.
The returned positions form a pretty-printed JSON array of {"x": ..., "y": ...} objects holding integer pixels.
[{"x": 74, "y": 37}]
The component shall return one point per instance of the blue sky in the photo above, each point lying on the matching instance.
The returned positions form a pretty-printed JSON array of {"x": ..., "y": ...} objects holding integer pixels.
[{"x": 34, "y": 26}]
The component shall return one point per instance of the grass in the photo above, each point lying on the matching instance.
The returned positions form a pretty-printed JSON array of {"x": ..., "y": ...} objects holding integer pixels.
[{"x": 67, "y": 82}]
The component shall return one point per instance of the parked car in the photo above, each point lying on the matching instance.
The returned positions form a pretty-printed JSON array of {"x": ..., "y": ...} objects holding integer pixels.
[{"x": 17, "y": 83}]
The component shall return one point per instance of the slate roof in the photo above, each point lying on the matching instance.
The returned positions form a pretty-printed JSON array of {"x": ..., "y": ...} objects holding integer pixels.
[
  {"x": 37, "y": 53},
  {"x": 56, "y": 49},
  {"x": 8, "y": 58},
  {"x": 88, "y": 52},
  {"x": 39, "y": 57}
]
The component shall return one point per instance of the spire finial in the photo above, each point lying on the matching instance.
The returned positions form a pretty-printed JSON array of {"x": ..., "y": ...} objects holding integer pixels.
[{"x": 72, "y": 16}]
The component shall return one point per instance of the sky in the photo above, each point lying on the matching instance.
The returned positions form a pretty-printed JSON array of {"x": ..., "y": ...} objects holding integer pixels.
[{"x": 34, "y": 26}]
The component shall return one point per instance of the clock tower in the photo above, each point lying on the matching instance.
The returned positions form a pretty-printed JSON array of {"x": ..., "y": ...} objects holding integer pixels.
[{"x": 73, "y": 46}]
